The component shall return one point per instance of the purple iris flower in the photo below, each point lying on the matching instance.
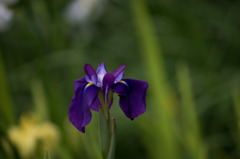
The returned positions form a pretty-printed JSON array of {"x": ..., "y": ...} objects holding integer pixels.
[{"x": 132, "y": 94}]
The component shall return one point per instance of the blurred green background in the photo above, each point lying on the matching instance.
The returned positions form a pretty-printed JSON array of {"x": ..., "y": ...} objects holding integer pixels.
[{"x": 188, "y": 52}]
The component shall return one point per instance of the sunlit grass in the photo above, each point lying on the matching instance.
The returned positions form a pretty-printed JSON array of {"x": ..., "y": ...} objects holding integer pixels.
[{"x": 162, "y": 129}]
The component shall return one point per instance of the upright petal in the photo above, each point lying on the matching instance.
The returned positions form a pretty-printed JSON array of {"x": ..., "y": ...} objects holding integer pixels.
[
  {"x": 90, "y": 73},
  {"x": 132, "y": 95},
  {"x": 101, "y": 71},
  {"x": 119, "y": 77},
  {"x": 108, "y": 81},
  {"x": 118, "y": 70},
  {"x": 89, "y": 70},
  {"x": 79, "y": 112}
]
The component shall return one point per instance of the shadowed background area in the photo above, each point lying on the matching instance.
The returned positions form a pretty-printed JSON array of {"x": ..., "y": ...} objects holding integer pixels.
[{"x": 187, "y": 51}]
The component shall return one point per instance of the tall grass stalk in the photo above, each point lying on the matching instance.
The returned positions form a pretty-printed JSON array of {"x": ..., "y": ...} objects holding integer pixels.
[
  {"x": 6, "y": 109},
  {"x": 191, "y": 133},
  {"x": 39, "y": 99},
  {"x": 90, "y": 140},
  {"x": 236, "y": 102},
  {"x": 161, "y": 130}
]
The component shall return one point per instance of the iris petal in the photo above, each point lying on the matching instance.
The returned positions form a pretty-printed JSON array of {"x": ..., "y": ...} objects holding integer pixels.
[
  {"x": 89, "y": 70},
  {"x": 79, "y": 83},
  {"x": 79, "y": 112},
  {"x": 118, "y": 70},
  {"x": 108, "y": 81},
  {"x": 119, "y": 77},
  {"x": 132, "y": 95},
  {"x": 90, "y": 73},
  {"x": 95, "y": 105},
  {"x": 101, "y": 71},
  {"x": 92, "y": 95}
]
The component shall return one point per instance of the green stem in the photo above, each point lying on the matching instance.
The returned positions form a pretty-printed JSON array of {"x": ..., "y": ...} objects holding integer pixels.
[
  {"x": 112, "y": 126},
  {"x": 104, "y": 134},
  {"x": 107, "y": 127}
]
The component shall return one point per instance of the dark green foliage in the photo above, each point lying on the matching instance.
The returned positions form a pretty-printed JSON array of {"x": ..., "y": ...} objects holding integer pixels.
[{"x": 202, "y": 34}]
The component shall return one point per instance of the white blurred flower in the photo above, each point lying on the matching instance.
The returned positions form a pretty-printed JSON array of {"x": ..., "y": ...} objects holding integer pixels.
[
  {"x": 5, "y": 17},
  {"x": 80, "y": 10},
  {"x": 8, "y": 2}
]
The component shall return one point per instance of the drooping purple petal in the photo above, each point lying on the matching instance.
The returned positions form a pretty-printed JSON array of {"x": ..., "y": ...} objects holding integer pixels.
[
  {"x": 84, "y": 99},
  {"x": 121, "y": 88},
  {"x": 118, "y": 70},
  {"x": 79, "y": 83},
  {"x": 91, "y": 96},
  {"x": 132, "y": 95},
  {"x": 95, "y": 105}
]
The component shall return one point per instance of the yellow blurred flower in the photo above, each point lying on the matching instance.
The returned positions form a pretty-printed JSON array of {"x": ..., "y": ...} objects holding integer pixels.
[{"x": 31, "y": 134}]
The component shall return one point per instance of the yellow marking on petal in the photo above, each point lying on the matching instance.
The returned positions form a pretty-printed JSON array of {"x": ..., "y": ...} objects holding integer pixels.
[
  {"x": 89, "y": 84},
  {"x": 123, "y": 82}
]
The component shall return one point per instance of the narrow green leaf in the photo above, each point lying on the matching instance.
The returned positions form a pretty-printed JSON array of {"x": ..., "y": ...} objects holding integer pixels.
[
  {"x": 163, "y": 143},
  {"x": 104, "y": 135},
  {"x": 47, "y": 156},
  {"x": 192, "y": 134},
  {"x": 39, "y": 99},
  {"x": 6, "y": 109},
  {"x": 236, "y": 103},
  {"x": 111, "y": 152},
  {"x": 101, "y": 97}
]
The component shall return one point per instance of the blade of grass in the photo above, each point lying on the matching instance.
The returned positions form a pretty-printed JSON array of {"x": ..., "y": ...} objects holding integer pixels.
[
  {"x": 39, "y": 99},
  {"x": 236, "y": 102},
  {"x": 165, "y": 145},
  {"x": 192, "y": 137},
  {"x": 47, "y": 156},
  {"x": 91, "y": 139},
  {"x": 5, "y": 99}
]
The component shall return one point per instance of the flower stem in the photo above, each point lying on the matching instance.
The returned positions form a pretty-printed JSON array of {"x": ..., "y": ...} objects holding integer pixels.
[
  {"x": 112, "y": 126},
  {"x": 107, "y": 127},
  {"x": 104, "y": 134}
]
